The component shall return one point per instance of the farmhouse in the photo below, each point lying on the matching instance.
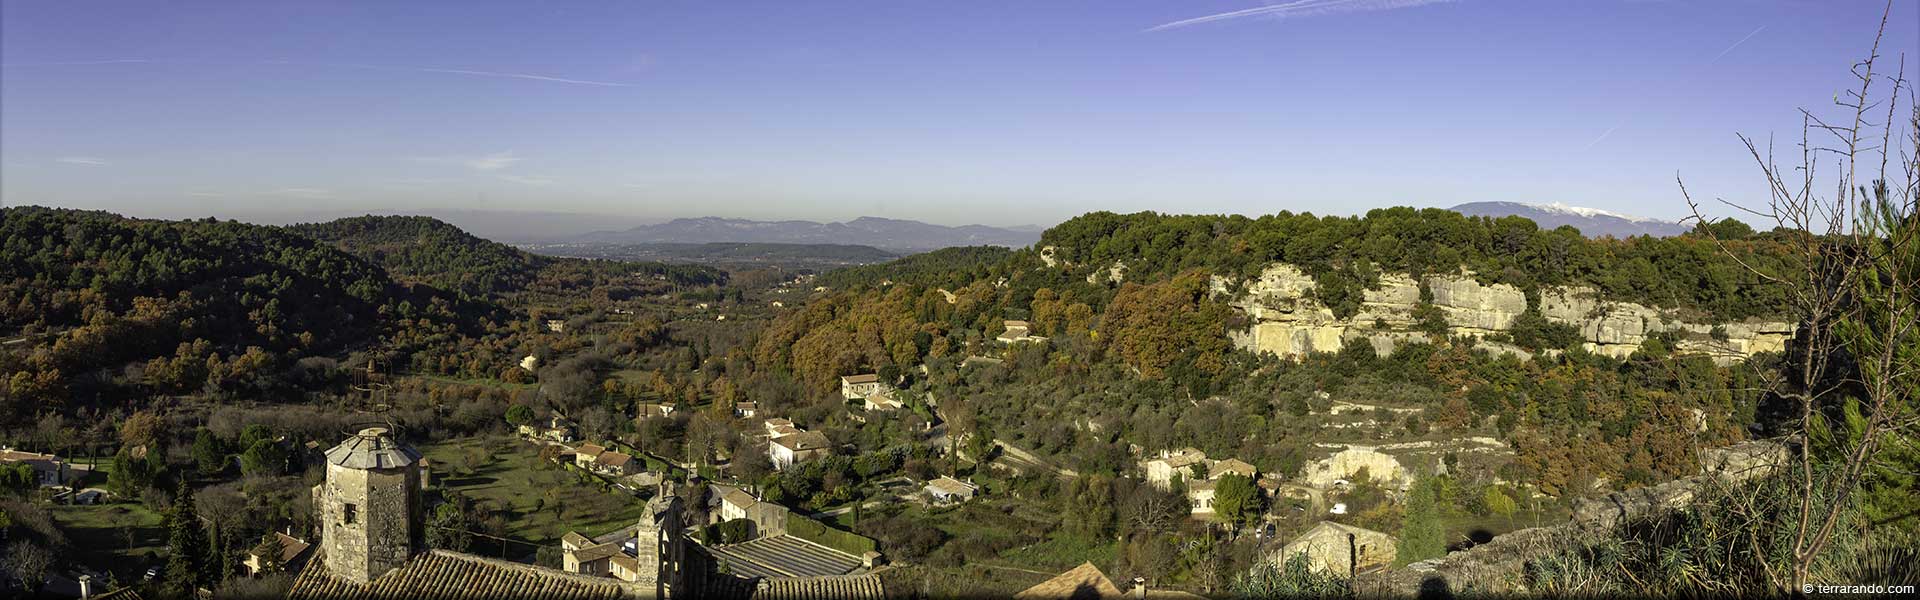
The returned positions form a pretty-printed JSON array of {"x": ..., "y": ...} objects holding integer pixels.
[
  {"x": 1018, "y": 331},
  {"x": 1326, "y": 547},
  {"x": 798, "y": 447},
  {"x": 1161, "y": 471},
  {"x": 947, "y": 490},
  {"x": 882, "y": 400},
  {"x": 50, "y": 469},
  {"x": 585, "y": 455},
  {"x": 856, "y": 387},
  {"x": 293, "y": 555}
]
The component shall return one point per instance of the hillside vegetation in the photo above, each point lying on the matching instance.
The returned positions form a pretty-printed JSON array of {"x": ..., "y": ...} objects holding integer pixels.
[{"x": 431, "y": 251}]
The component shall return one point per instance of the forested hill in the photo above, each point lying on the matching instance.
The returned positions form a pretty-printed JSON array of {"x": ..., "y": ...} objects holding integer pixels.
[
  {"x": 429, "y": 250},
  {"x": 434, "y": 252},
  {"x": 1346, "y": 254},
  {"x": 202, "y": 304}
]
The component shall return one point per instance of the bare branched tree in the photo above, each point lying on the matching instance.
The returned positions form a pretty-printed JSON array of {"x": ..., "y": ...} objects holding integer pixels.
[{"x": 1847, "y": 211}]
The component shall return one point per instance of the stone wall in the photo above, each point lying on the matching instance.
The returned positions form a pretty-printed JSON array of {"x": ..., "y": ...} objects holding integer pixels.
[
  {"x": 1499, "y": 566},
  {"x": 1290, "y": 322}
]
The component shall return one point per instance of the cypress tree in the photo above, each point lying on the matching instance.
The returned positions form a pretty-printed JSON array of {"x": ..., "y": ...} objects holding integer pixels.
[{"x": 1421, "y": 533}]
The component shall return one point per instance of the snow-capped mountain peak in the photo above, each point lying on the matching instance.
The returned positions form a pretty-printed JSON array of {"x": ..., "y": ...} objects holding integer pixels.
[{"x": 1592, "y": 222}]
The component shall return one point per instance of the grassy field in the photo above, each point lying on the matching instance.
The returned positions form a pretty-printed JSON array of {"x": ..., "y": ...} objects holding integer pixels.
[
  {"x": 543, "y": 502},
  {"x": 113, "y": 536}
]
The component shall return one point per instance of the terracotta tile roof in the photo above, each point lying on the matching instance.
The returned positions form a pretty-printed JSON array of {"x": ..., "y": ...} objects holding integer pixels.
[
  {"x": 593, "y": 553},
  {"x": 1084, "y": 582},
  {"x": 952, "y": 486},
  {"x": 861, "y": 378},
  {"x": 290, "y": 547},
  {"x": 858, "y": 587},
  {"x": 1234, "y": 466},
  {"x": 453, "y": 576},
  {"x": 738, "y": 497},
  {"x": 7, "y": 455},
  {"x": 576, "y": 539},
  {"x": 802, "y": 441},
  {"x": 613, "y": 459},
  {"x": 1184, "y": 458},
  {"x": 591, "y": 450}
]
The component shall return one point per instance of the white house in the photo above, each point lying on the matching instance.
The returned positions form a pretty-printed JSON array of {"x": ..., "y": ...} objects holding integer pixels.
[
  {"x": 855, "y": 387},
  {"x": 947, "y": 490},
  {"x": 793, "y": 448}
]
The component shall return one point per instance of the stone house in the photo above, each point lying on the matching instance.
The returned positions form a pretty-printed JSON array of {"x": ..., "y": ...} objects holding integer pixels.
[
  {"x": 616, "y": 464},
  {"x": 776, "y": 425},
  {"x": 293, "y": 554},
  {"x": 585, "y": 455},
  {"x": 746, "y": 410},
  {"x": 1018, "y": 331},
  {"x": 1200, "y": 496},
  {"x": 856, "y": 387},
  {"x": 556, "y": 429},
  {"x": 1234, "y": 466},
  {"x": 1161, "y": 471},
  {"x": 947, "y": 490},
  {"x": 51, "y": 470},
  {"x": 768, "y": 518},
  {"x": 794, "y": 448},
  {"x": 882, "y": 400},
  {"x": 1341, "y": 549}
]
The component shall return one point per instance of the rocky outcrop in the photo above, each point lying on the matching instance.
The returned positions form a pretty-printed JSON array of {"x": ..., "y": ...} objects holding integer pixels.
[
  {"x": 1288, "y": 320},
  {"x": 1382, "y": 468},
  {"x": 1500, "y": 565}
]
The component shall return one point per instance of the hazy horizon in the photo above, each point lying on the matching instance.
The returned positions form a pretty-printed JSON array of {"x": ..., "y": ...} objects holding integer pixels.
[{"x": 972, "y": 114}]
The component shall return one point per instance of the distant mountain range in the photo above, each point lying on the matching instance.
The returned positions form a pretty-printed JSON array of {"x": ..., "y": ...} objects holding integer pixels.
[
  {"x": 1592, "y": 222},
  {"x": 888, "y": 234}
]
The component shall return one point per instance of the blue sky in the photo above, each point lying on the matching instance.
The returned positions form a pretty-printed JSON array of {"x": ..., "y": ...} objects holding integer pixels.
[{"x": 951, "y": 112}]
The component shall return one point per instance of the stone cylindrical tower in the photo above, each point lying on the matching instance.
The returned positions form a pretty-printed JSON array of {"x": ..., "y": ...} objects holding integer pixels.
[{"x": 369, "y": 508}]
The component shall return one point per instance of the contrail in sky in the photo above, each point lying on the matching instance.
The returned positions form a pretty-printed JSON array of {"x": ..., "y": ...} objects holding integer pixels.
[
  {"x": 397, "y": 68},
  {"x": 1716, "y": 59},
  {"x": 1603, "y": 136},
  {"x": 1723, "y": 53},
  {"x": 1298, "y": 8}
]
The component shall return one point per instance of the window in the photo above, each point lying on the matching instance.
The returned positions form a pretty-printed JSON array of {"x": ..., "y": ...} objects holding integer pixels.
[{"x": 351, "y": 513}]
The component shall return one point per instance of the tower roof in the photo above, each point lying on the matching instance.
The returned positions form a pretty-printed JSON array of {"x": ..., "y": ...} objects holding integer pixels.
[{"x": 372, "y": 448}]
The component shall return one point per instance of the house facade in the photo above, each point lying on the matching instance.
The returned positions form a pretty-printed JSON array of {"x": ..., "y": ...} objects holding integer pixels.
[
  {"x": 855, "y": 387},
  {"x": 794, "y": 448}
]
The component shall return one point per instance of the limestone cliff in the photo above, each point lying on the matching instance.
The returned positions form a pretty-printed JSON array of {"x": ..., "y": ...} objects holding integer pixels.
[{"x": 1289, "y": 321}]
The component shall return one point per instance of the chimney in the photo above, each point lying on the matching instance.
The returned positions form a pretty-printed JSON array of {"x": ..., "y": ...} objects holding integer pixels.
[
  {"x": 1140, "y": 587},
  {"x": 86, "y": 586}
]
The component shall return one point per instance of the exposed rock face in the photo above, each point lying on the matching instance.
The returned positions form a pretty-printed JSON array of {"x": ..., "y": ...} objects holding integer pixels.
[
  {"x": 1380, "y": 467},
  {"x": 1289, "y": 321}
]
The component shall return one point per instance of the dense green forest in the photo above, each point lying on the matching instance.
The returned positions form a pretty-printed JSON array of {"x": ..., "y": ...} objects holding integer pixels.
[
  {"x": 103, "y": 310},
  {"x": 1347, "y": 254},
  {"x": 429, "y": 250}
]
